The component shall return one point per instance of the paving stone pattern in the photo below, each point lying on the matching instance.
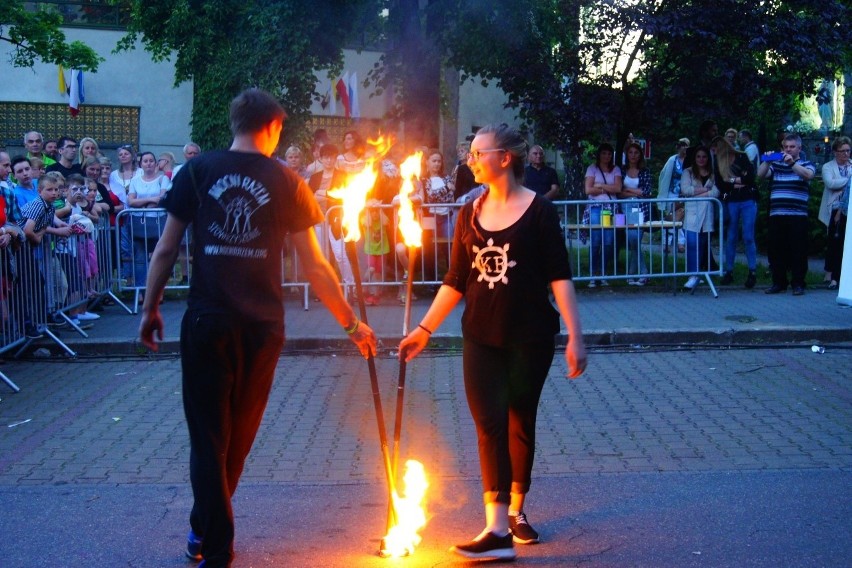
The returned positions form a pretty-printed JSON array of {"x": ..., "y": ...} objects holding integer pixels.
[{"x": 121, "y": 421}]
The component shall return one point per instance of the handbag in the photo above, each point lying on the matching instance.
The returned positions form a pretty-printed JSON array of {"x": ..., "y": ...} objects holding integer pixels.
[{"x": 147, "y": 228}]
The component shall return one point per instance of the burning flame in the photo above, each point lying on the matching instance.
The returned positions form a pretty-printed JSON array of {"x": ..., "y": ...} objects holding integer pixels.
[
  {"x": 354, "y": 193},
  {"x": 402, "y": 538},
  {"x": 408, "y": 225}
]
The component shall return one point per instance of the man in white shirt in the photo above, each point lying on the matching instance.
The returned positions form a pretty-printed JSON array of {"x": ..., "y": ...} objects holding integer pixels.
[
  {"x": 190, "y": 150},
  {"x": 750, "y": 148}
]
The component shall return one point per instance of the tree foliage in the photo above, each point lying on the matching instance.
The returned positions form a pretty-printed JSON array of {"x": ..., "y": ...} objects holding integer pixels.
[
  {"x": 35, "y": 36},
  {"x": 229, "y": 45},
  {"x": 592, "y": 69}
]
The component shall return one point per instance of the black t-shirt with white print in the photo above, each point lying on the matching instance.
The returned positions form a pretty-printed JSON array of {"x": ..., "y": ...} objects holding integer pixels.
[
  {"x": 248, "y": 204},
  {"x": 504, "y": 276}
]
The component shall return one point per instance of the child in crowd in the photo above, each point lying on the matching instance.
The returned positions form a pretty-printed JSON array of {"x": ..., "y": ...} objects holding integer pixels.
[
  {"x": 376, "y": 245},
  {"x": 73, "y": 251},
  {"x": 37, "y": 164},
  {"x": 39, "y": 219}
]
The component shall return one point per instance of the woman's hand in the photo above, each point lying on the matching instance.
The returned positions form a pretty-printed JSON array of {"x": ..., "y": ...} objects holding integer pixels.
[
  {"x": 575, "y": 357},
  {"x": 412, "y": 344}
]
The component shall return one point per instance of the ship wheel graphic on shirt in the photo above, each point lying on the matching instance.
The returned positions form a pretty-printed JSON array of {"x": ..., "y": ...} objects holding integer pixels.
[{"x": 492, "y": 263}]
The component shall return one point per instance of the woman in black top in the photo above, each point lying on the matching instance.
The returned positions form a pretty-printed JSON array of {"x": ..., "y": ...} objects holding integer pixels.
[
  {"x": 508, "y": 247},
  {"x": 735, "y": 178}
]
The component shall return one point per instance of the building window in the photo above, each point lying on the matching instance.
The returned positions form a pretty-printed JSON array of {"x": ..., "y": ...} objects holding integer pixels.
[
  {"x": 110, "y": 126},
  {"x": 104, "y": 14}
]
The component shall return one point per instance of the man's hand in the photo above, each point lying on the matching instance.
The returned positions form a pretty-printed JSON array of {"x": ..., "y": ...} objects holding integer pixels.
[
  {"x": 365, "y": 339},
  {"x": 151, "y": 326}
]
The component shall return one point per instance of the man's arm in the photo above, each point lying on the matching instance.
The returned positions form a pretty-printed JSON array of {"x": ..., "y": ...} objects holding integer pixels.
[
  {"x": 553, "y": 193},
  {"x": 162, "y": 260},
  {"x": 803, "y": 171},
  {"x": 324, "y": 283}
]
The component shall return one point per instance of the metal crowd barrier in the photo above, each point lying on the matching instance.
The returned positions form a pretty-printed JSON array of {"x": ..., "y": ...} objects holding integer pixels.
[
  {"x": 637, "y": 243},
  {"x": 136, "y": 234},
  {"x": 43, "y": 286}
]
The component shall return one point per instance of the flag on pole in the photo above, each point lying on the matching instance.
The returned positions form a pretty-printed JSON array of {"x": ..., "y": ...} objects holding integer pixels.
[
  {"x": 353, "y": 95},
  {"x": 343, "y": 94},
  {"x": 76, "y": 94},
  {"x": 63, "y": 86}
]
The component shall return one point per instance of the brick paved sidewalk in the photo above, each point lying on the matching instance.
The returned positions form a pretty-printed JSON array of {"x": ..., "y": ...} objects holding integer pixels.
[{"x": 758, "y": 442}]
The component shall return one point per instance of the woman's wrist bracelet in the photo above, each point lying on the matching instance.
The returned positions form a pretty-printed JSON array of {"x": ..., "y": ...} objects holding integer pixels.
[
  {"x": 424, "y": 328},
  {"x": 352, "y": 327}
]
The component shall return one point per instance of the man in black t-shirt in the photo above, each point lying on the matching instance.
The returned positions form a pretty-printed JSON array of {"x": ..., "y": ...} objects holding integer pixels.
[
  {"x": 67, "y": 148},
  {"x": 539, "y": 177},
  {"x": 241, "y": 204}
]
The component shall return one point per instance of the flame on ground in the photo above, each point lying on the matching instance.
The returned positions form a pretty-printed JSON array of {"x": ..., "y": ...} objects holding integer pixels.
[
  {"x": 408, "y": 225},
  {"x": 410, "y": 507}
]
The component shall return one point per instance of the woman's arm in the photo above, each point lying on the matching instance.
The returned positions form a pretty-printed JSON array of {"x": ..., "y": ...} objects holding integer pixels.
[
  {"x": 443, "y": 304},
  {"x": 575, "y": 351},
  {"x": 106, "y": 201},
  {"x": 591, "y": 188},
  {"x": 141, "y": 202},
  {"x": 831, "y": 176},
  {"x": 686, "y": 187},
  {"x": 645, "y": 183}
]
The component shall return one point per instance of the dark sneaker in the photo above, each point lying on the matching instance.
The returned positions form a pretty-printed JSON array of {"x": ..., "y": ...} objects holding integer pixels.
[
  {"x": 751, "y": 280},
  {"x": 32, "y": 332},
  {"x": 775, "y": 289},
  {"x": 798, "y": 291},
  {"x": 193, "y": 546},
  {"x": 487, "y": 546},
  {"x": 728, "y": 278},
  {"x": 522, "y": 532}
]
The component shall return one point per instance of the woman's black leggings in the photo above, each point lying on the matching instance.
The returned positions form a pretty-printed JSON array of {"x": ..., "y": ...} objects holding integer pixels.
[{"x": 503, "y": 386}]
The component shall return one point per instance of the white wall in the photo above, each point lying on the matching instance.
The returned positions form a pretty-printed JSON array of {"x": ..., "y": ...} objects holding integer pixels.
[
  {"x": 360, "y": 63},
  {"x": 125, "y": 79},
  {"x": 480, "y": 105}
]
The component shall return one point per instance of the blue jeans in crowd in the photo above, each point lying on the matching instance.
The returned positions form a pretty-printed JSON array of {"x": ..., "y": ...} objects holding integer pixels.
[
  {"x": 696, "y": 251},
  {"x": 635, "y": 258},
  {"x": 747, "y": 211},
  {"x": 601, "y": 245},
  {"x": 141, "y": 249}
]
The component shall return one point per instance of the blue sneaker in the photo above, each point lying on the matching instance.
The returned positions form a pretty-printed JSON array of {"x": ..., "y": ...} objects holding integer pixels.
[{"x": 193, "y": 546}]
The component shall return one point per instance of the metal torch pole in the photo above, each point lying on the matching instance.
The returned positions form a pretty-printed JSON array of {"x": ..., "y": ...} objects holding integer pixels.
[
  {"x": 352, "y": 254},
  {"x": 400, "y": 386}
]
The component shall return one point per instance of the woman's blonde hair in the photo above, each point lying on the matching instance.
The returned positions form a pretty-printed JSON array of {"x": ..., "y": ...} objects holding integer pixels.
[
  {"x": 725, "y": 156},
  {"x": 80, "y": 148}
]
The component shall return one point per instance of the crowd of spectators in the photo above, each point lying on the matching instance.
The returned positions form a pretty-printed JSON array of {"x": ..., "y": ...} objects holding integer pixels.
[
  {"x": 726, "y": 168},
  {"x": 57, "y": 199},
  {"x": 63, "y": 187}
]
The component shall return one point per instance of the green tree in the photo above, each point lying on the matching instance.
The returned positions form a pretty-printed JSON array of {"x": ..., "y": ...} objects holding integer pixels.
[
  {"x": 586, "y": 69},
  {"x": 35, "y": 36},
  {"x": 227, "y": 46}
]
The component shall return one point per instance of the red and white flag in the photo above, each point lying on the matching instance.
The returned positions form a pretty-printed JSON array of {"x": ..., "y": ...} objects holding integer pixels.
[
  {"x": 354, "y": 103},
  {"x": 342, "y": 90},
  {"x": 76, "y": 94}
]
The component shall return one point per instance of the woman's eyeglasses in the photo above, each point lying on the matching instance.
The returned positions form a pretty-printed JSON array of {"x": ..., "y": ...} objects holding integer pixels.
[{"x": 475, "y": 155}]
